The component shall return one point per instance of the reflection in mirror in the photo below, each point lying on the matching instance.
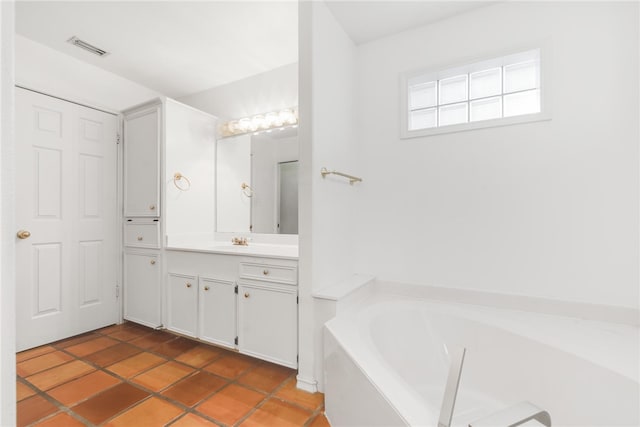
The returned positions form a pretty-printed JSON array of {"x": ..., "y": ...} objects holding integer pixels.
[
  {"x": 287, "y": 216},
  {"x": 233, "y": 168},
  {"x": 267, "y": 163}
]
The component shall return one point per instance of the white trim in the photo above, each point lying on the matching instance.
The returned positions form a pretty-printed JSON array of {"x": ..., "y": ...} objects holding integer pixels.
[
  {"x": 463, "y": 127},
  {"x": 307, "y": 384},
  {"x": 7, "y": 218},
  {"x": 82, "y": 104},
  {"x": 545, "y": 94},
  {"x": 120, "y": 220}
]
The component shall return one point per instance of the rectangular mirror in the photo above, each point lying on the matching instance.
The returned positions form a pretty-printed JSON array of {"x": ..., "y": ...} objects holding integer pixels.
[{"x": 257, "y": 183}]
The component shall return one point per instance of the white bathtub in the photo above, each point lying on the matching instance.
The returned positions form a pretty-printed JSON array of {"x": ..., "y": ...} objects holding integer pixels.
[{"x": 386, "y": 364}]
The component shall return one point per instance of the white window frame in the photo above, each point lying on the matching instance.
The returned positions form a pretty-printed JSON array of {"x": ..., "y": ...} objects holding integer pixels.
[{"x": 545, "y": 94}]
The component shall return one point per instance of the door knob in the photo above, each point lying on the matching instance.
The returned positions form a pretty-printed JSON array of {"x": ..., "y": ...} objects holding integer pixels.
[
  {"x": 153, "y": 261},
  {"x": 206, "y": 288},
  {"x": 246, "y": 294},
  {"x": 23, "y": 234},
  {"x": 188, "y": 285}
]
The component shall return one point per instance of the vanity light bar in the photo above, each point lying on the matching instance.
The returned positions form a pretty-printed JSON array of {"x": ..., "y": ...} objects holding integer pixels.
[{"x": 261, "y": 122}]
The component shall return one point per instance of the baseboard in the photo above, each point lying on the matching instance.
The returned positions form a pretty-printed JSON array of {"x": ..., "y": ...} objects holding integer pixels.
[{"x": 307, "y": 384}]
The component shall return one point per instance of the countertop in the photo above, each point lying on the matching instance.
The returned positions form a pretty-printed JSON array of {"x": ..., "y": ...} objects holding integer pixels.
[{"x": 269, "y": 250}]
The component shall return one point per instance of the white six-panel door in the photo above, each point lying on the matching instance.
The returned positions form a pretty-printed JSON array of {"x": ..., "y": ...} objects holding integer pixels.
[{"x": 66, "y": 199}]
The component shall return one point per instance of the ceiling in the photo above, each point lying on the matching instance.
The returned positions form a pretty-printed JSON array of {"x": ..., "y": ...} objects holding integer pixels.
[
  {"x": 367, "y": 20},
  {"x": 175, "y": 48},
  {"x": 178, "y": 48}
]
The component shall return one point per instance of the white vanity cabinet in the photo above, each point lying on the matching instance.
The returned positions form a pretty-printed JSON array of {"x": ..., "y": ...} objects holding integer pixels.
[
  {"x": 208, "y": 306},
  {"x": 142, "y": 136},
  {"x": 182, "y": 302},
  {"x": 142, "y": 290},
  {"x": 217, "y": 311},
  {"x": 246, "y": 303},
  {"x": 268, "y": 322}
]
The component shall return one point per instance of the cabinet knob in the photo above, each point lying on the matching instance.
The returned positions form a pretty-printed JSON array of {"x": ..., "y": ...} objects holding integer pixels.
[
  {"x": 152, "y": 207},
  {"x": 153, "y": 261},
  {"x": 206, "y": 288},
  {"x": 188, "y": 285},
  {"x": 139, "y": 238},
  {"x": 265, "y": 272},
  {"x": 246, "y": 294}
]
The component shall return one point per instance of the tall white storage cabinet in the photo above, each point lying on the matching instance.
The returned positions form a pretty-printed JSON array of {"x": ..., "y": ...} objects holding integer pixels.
[
  {"x": 142, "y": 133},
  {"x": 142, "y": 139},
  {"x": 163, "y": 140}
]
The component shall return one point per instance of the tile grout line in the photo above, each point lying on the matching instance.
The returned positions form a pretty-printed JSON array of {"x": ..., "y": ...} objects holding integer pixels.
[
  {"x": 139, "y": 386},
  {"x": 313, "y": 413},
  {"x": 153, "y": 393}
]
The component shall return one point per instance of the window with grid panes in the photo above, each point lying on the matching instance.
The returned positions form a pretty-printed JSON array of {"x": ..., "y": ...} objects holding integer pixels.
[{"x": 488, "y": 90}]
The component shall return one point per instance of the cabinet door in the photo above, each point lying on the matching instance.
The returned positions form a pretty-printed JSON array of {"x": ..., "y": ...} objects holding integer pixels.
[
  {"x": 142, "y": 288},
  {"x": 142, "y": 163},
  {"x": 267, "y": 323},
  {"x": 182, "y": 304},
  {"x": 217, "y": 311}
]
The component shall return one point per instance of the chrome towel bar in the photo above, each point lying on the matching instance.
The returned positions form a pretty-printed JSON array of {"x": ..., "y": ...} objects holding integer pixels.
[{"x": 324, "y": 172}]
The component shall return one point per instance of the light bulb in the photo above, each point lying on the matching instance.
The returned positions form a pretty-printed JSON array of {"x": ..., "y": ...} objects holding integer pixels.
[
  {"x": 232, "y": 126},
  {"x": 274, "y": 119},
  {"x": 244, "y": 124},
  {"x": 287, "y": 117},
  {"x": 259, "y": 122}
]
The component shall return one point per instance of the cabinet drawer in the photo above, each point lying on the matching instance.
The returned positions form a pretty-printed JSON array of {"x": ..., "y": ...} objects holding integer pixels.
[
  {"x": 142, "y": 235},
  {"x": 269, "y": 273}
]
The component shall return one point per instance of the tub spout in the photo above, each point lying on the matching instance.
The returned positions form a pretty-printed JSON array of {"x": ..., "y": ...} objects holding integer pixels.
[
  {"x": 451, "y": 388},
  {"x": 515, "y": 415}
]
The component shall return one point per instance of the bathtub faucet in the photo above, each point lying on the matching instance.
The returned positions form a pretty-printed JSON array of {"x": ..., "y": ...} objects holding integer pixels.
[{"x": 515, "y": 415}]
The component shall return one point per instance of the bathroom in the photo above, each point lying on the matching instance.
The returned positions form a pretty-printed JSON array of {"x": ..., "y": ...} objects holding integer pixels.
[{"x": 522, "y": 221}]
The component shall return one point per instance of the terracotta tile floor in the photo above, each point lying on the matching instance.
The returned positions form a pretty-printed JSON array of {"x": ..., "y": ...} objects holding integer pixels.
[{"x": 129, "y": 375}]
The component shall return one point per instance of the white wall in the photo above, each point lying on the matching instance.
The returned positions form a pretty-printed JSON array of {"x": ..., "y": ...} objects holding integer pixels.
[
  {"x": 547, "y": 209},
  {"x": 334, "y": 144},
  {"x": 274, "y": 90},
  {"x": 47, "y": 70},
  {"x": 7, "y": 218},
  {"x": 190, "y": 150},
  {"x": 327, "y": 139}
]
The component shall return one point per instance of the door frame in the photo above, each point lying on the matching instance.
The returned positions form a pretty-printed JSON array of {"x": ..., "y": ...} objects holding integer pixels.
[{"x": 7, "y": 218}]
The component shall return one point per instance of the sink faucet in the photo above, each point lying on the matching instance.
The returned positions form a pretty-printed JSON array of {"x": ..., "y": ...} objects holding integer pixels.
[{"x": 241, "y": 241}]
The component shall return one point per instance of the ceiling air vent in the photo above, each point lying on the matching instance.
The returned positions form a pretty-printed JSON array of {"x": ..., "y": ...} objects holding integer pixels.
[{"x": 86, "y": 46}]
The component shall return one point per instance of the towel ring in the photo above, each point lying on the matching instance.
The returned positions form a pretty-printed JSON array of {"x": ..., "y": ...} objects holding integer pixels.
[
  {"x": 178, "y": 177},
  {"x": 246, "y": 187}
]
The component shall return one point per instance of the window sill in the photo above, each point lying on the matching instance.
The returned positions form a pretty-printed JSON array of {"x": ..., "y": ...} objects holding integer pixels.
[{"x": 463, "y": 127}]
